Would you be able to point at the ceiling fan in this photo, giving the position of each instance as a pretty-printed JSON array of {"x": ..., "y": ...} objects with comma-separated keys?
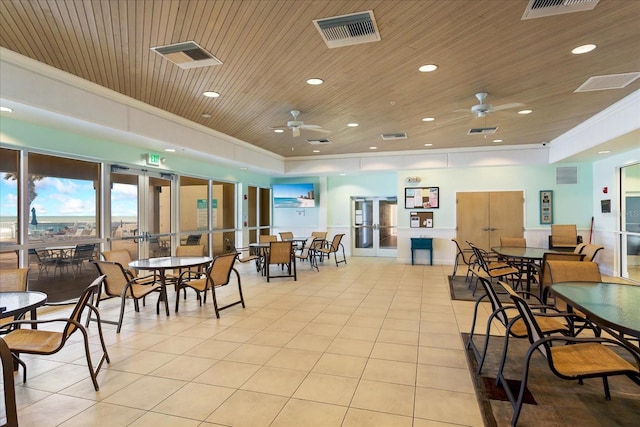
[
  {"x": 482, "y": 109},
  {"x": 295, "y": 125}
]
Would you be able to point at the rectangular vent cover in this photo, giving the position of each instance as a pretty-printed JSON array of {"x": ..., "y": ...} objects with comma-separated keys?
[
  {"x": 392, "y": 136},
  {"x": 319, "y": 141},
  {"x": 611, "y": 81},
  {"x": 348, "y": 30},
  {"x": 567, "y": 175},
  {"x": 187, "y": 55},
  {"x": 542, "y": 8},
  {"x": 482, "y": 131}
]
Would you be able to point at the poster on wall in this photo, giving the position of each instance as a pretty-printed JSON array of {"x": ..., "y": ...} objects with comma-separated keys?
[
  {"x": 201, "y": 213},
  {"x": 422, "y": 198}
]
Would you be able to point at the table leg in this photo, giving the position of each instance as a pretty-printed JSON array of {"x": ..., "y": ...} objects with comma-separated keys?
[
  {"x": 33, "y": 316},
  {"x": 163, "y": 290}
]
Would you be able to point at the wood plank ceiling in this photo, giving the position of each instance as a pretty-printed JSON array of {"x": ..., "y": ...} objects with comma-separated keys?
[{"x": 269, "y": 48}]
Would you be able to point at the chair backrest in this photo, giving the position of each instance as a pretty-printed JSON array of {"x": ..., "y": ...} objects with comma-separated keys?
[
  {"x": 220, "y": 270},
  {"x": 280, "y": 252},
  {"x": 267, "y": 238},
  {"x": 122, "y": 257},
  {"x": 284, "y": 235},
  {"x": 590, "y": 251},
  {"x": 115, "y": 277},
  {"x": 494, "y": 299},
  {"x": 193, "y": 250},
  {"x": 84, "y": 252},
  {"x": 319, "y": 234},
  {"x": 11, "y": 411},
  {"x": 564, "y": 234},
  {"x": 514, "y": 242},
  {"x": 462, "y": 253},
  {"x": 193, "y": 239},
  {"x": 479, "y": 255},
  {"x": 308, "y": 244},
  {"x": 335, "y": 243},
  {"x": 13, "y": 279},
  {"x": 578, "y": 248},
  {"x": 534, "y": 333},
  {"x": 545, "y": 278},
  {"x": 569, "y": 271},
  {"x": 85, "y": 298}
]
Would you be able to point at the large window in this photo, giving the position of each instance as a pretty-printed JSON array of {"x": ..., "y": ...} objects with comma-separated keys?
[
  {"x": 9, "y": 202},
  {"x": 630, "y": 221}
]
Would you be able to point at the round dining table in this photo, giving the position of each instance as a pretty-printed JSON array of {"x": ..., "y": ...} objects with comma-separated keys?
[
  {"x": 15, "y": 304},
  {"x": 162, "y": 264}
]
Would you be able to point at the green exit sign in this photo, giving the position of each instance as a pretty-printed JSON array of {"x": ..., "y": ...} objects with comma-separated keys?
[{"x": 153, "y": 159}]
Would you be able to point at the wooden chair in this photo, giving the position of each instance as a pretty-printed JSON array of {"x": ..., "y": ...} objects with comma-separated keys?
[
  {"x": 515, "y": 328},
  {"x": 281, "y": 253},
  {"x": 217, "y": 274},
  {"x": 38, "y": 341},
  {"x": 307, "y": 253},
  {"x": 332, "y": 248},
  {"x": 564, "y": 237},
  {"x": 119, "y": 284},
  {"x": 11, "y": 410},
  {"x": 585, "y": 358},
  {"x": 465, "y": 255}
]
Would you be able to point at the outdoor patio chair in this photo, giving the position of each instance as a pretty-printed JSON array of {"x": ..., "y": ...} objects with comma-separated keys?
[
  {"x": 249, "y": 257},
  {"x": 217, "y": 274},
  {"x": 502, "y": 313},
  {"x": 564, "y": 237},
  {"x": 332, "y": 248},
  {"x": 281, "y": 254},
  {"x": 42, "y": 342},
  {"x": 465, "y": 256},
  {"x": 307, "y": 253},
  {"x": 119, "y": 284},
  {"x": 590, "y": 251},
  {"x": 584, "y": 358}
]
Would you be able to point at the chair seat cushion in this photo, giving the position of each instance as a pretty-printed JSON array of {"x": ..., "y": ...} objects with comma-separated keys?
[
  {"x": 33, "y": 341},
  {"x": 139, "y": 290},
  {"x": 588, "y": 359},
  {"x": 198, "y": 284},
  {"x": 547, "y": 326}
]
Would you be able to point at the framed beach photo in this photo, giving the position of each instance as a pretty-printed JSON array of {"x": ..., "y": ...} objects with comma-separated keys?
[{"x": 294, "y": 196}]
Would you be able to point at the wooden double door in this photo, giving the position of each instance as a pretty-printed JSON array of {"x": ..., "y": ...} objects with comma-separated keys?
[{"x": 484, "y": 217}]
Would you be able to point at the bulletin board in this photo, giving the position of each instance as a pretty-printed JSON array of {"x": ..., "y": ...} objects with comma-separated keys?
[
  {"x": 422, "y": 198},
  {"x": 421, "y": 220}
]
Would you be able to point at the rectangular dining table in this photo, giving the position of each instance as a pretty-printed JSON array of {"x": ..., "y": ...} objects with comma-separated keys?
[{"x": 615, "y": 307}]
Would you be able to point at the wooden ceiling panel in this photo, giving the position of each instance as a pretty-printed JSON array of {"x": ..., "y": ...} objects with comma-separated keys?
[{"x": 270, "y": 48}]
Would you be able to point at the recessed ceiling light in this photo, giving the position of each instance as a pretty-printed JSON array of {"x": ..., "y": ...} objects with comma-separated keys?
[
  {"x": 604, "y": 152},
  {"x": 170, "y": 150},
  {"x": 373, "y": 148},
  {"x": 497, "y": 140},
  {"x": 278, "y": 130},
  {"x": 428, "y": 145},
  {"x": 353, "y": 124},
  {"x": 315, "y": 81},
  {"x": 428, "y": 119},
  {"x": 316, "y": 151},
  {"x": 211, "y": 94},
  {"x": 205, "y": 115},
  {"x": 428, "y": 68},
  {"x": 525, "y": 112},
  {"x": 6, "y": 109},
  {"x": 585, "y": 48}
]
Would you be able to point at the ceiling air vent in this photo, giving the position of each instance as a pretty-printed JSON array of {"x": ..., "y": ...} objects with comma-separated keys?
[
  {"x": 187, "y": 55},
  {"x": 347, "y": 30},
  {"x": 482, "y": 131},
  {"x": 542, "y": 8},
  {"x": 612, "y": 81},
  {"x": 319, "y": 141},
  {"x": 392, "y": 136}
]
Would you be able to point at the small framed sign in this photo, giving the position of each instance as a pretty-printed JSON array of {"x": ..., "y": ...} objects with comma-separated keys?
[{"x": 546, "y": 207}]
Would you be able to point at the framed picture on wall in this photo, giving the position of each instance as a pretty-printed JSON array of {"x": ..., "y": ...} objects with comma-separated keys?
[
  {"x": 546, "y": 207},
  {"x": 422, "y": 198}
]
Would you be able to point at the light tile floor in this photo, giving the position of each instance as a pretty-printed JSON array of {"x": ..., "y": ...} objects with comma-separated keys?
[{"x": 369, "y": 343}]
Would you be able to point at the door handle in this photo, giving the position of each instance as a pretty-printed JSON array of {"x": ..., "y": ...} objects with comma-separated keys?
[{"x": 486, "y": 229}]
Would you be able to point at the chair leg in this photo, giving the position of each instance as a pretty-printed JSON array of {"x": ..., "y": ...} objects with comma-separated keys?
[
  {"x": 486, "y": 343},
  {"x": 121, "y": 315},
  {"x": 21, "y": 363},
  {"x": 605, "y": 383}
]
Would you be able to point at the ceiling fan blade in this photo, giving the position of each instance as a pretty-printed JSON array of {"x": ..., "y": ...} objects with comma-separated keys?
[
  {"x": 314, "y": 128},
  {"x": 507, "y": 106},
  {"x": 296, "y": 132}
]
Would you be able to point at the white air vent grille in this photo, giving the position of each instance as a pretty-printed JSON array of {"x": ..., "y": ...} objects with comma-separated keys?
[
  {"x": 347, "y": 30},
  {"x": 542, "y": 8},
  {"x": 187, "y": 55},
  {"x": 319, "y": 141},
  {"x": 612, "y": 81},
  {"x": 482, "y": 131},
  {"x": 567, "y": 175},
  {"x": 392, "y": 136}
]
